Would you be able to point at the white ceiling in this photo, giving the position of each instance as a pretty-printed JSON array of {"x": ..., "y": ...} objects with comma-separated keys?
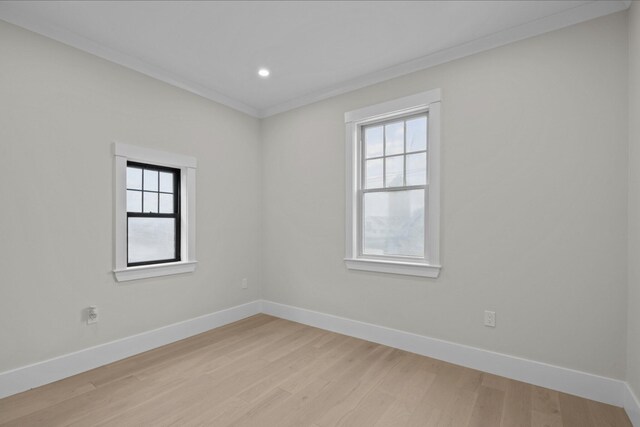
[{"x": 313, "y": 49}]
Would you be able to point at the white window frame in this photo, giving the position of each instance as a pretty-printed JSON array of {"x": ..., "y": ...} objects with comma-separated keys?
[
  {"x": 429, "y": 266},
  {"x": 187, "y": 166}
]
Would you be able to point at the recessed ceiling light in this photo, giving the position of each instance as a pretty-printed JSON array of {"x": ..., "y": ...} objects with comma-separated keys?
[{"x": 263, "y": 72}]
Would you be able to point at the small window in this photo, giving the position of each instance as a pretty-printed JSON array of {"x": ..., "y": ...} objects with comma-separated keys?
[
  {"x": 393, "y": 186},
  {"x": 154, "y": 213}
]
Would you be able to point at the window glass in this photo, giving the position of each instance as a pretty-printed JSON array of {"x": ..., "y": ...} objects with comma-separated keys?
[
  {"x": 394, "y": 138},
  {"x": 373, "y": 141},
  {"x": 166, "y": 182},
  {"x": 394, "y": 171},
  {"x": 150, "y": 180},
  {"x": 373, "y": 173},
  {"x": 393, "y": 223},
  {"x": 134, "y": 178},
  {"x": 151, "y": 239},
  {"x": 166, "y": 203},
  {"x": 134, "y": 201},
  {"x": 417, "y": 134},
  {"x": 150, "y": 202},
  {"x": 417, "y": 169}
]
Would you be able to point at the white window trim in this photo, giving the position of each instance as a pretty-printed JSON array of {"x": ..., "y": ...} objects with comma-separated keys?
[
  {"x": 187, "y": 165},
  {"x": 426, "y": 101}
]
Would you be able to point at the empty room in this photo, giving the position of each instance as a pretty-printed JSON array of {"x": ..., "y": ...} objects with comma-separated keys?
[{"x": 320, "y": 213}]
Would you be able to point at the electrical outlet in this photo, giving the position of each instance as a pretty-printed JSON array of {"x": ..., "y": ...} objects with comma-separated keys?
[
  {"x": 92, "y": 314},
  {"x": 490, "y": 319},
  {"x": 245, "y": 283}
]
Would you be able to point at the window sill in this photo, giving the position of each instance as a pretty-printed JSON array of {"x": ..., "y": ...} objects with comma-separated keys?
[
  {"x": 154, "y": 270},
  {"x": 394, "y": 267}
]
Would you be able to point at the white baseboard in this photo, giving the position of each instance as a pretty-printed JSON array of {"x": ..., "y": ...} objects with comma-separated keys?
[
  {"x": 601, "y": 389},
  {"x": 37, "y": 374},
  {"x": 632, "y": 405}
]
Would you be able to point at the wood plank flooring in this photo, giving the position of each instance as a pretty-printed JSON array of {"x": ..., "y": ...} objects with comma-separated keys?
[{"x": 264, "y": 371}]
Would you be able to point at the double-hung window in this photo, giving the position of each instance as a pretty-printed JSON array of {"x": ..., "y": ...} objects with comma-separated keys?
[
  {"x": 393, "y": 152},
  {"x": 154, "y": 213}
]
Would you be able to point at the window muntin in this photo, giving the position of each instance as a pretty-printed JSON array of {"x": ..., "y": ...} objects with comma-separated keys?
[
  {"x": 153, "y": 214},
  {"x": 393, "y": 194}
]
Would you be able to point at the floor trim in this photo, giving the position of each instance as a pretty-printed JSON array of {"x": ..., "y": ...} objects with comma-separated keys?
[
  {"x": 583, "y": 384},
  {"x": 37, "y": 374},
  {"x": 632, "y": 405}
]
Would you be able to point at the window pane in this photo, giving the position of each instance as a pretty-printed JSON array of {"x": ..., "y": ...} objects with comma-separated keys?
[
  {"x": 166, "y": 203},
  {"x": 394, "y": 223},
  {"x": 417, "y": 134},
  {"x": 151, "y": 239},
  {"x": 373, "y": 141},
  {"x": 373, "y": 174},
  {"x": 166, "y": 182},
  {"x": 395, "y": 171},
  {"x": 150, "y": 180},
  {"x": 150, "y": 202},
  {"x": 134, "y": 201},
  {"x": 417, "y": 169},
  {"x": 394, "y": 134},
  {"x": 134, "y": 178}
]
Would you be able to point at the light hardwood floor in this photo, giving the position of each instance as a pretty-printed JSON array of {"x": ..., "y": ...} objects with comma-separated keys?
[{"x": 264, "y": 371}]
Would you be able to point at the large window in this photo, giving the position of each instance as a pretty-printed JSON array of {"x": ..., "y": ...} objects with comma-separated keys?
[
  {"x": 154, "y": 213},
  {"x": 393, "y": 186}
]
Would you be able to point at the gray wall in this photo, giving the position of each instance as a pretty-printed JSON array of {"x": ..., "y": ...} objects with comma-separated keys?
[
  {"x": 633, "y": 352},
  {"x": 534, "y": 206},
  {"x": 60, "y": 110},
  {"x": 534, "y": 202}
]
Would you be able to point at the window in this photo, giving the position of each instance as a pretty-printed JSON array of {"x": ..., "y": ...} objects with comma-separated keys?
[
  {"x": 155, "y": 213},
  {"x": 393, "y": 196}
]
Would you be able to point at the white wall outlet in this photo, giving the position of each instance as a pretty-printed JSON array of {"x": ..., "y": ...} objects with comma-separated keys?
[
  {"x": 245, "y": 283},
  {"x": 490, "y": 318},
  {"x": 92, "y": 314}
]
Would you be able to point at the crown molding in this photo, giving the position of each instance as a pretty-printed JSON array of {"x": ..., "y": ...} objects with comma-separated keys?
[
  {"x": 87, "y": 45},
  {"x": 549, "y": 23},
  {"x": 540, "y": 26}
]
